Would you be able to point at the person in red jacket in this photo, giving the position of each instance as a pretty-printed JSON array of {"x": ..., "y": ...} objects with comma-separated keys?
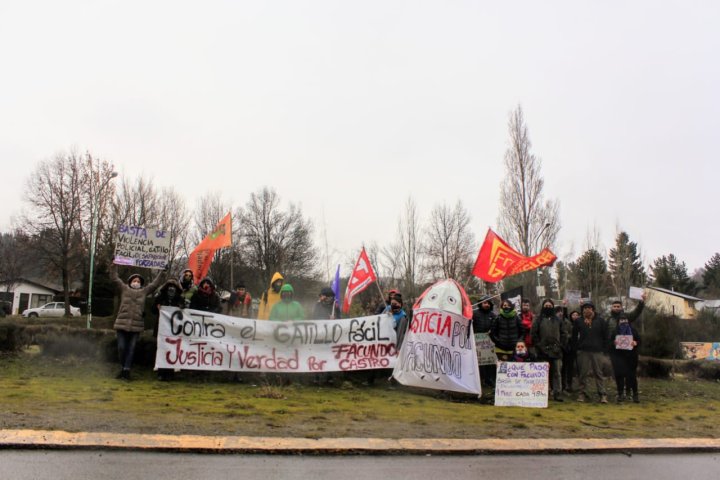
[{"x": 527, "y": 318}]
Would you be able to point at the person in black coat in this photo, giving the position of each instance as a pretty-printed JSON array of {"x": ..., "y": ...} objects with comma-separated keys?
[
  {"x": 624, "y": 358},
  {"x": 482, "y": 322}
]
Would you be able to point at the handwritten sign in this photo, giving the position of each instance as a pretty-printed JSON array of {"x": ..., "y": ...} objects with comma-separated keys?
[
  {"x": 522, "y": 384},
  {"x": 195, "y": 340},
  {"x": 623, "y": 342},
  {"x": 485, "y": 349},
  {"x": 142, "y": 247},
  {"x": 439, "y": 353}
]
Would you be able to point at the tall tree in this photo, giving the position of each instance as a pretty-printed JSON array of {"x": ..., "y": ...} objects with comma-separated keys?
[
  {"x": 526, "y": 220},
  {"x": 711, "y": 275},
  {"x": 276, "y": 239},
  {"x": 450, "y": 244},
  {"x": 13, "y": 257},
  {"x": 410, "y": 249},
  {"x": 589, "y": 272},
  {"x": 670, "y": 273},
  {"x": 55, "y": 195},
  {"x": 625, "y": 266}
]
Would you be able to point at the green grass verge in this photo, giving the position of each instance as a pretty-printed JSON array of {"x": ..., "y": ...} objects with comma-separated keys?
[{"x": 38, "y": 392}]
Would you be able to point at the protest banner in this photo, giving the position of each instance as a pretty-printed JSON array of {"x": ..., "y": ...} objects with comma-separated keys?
[
  {"x": 196, "y": 340},
  {"x": 485, "y": 349},
  {"x": 439, "y": 351},
  {"x": 142, "y": 247},
  {"x": 522, "y": 384},
  {"x": 701, "y": 350}
]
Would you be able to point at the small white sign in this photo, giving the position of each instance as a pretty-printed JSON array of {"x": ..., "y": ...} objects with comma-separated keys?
[{"x": 636, "y": 293}]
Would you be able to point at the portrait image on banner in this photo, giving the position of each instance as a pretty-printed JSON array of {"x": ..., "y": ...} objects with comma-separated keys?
[{"x": 438, "y": 350}]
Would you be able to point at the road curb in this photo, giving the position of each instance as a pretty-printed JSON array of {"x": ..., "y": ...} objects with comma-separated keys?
[{"x": 53, "y": 439}]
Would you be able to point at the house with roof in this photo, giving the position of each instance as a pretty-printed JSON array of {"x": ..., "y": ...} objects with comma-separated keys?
[
  {"x": 670, "y": 302},
  {"x": 24, "y": 294}
]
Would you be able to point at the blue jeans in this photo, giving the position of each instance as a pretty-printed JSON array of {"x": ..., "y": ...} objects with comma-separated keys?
[{"x": 126, "y": 347}]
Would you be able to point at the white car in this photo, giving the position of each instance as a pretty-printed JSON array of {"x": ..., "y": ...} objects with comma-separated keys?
[{"x": 52, "y": 309}]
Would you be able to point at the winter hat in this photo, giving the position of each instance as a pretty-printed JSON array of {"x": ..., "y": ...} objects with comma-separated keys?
[
  {"x": 134, "y": 276},
  {"x": 327, "y": 292},
  {"x": 587, "y": 304}
]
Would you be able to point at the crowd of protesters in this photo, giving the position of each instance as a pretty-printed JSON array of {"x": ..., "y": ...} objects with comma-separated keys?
[{"x": 576, "y": 346}]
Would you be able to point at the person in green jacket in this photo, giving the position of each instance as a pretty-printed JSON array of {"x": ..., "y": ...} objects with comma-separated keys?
[{"x": 287, "y": 308}]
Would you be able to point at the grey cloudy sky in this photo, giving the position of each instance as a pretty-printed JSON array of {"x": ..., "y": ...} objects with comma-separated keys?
[{"x": 349, "y": 107}]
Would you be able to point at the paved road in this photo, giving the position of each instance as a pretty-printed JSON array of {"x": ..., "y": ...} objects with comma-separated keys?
[{"x": 92, "y": 465}]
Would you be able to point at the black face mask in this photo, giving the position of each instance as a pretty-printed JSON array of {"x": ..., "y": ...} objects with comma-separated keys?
[
  {"x": 395, "y": 308},
  {"x": 548, "y": 311},
  {"x": 171, "y": 292}
]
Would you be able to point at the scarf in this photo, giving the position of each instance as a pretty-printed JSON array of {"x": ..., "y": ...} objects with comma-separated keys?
[{"x": 510, "y": 314}]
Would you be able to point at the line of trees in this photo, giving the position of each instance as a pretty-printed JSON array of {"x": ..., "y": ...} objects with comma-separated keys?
[{"x": 66, "y": 192}]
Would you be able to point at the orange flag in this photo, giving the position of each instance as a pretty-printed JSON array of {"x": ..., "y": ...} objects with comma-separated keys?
[
  {"x": 498, "y": 260},
  {"x": 201, "y": 258}
]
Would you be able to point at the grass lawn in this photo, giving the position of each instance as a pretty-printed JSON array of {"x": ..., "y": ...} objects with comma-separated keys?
[{"x": 37, "y": 392}]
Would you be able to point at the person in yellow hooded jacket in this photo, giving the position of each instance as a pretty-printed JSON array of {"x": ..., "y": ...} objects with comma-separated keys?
[{"x": 270, "y": 297}]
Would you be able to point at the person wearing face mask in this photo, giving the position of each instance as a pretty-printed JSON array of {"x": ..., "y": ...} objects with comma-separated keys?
[
  {"x": 287, "y": 308},
  {"x": 270, "y": 297},
  {"x": 170, "y": 295},
  {"x": 240, "y": 302},
  {"x": 550, "y": 335},
  {"x": 187, "y": 284},
  {"x": 590, "y": 335},
  {"x": 129, "y": 322},
  {"x": 206, "y": 298},
  {"x": 624, "y": 361},
  {"x": 482, "y": 321},
  {"x": 507, "y": 331},
  {"x": 326, "y": 307},
  {"x": 569, "y": 365}
]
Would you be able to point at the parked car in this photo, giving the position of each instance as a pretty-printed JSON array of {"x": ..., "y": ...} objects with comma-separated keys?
[{"x": 52, "y": 309}]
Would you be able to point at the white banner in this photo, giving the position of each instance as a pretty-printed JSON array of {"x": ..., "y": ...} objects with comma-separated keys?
[
  {"x": 522, "y": 384},
  {"x": 142, "y": 247},
  {"x": 485, "y": 349},
  {"x": 439, "y": 352},
  {"x": 195, "y": 340}
]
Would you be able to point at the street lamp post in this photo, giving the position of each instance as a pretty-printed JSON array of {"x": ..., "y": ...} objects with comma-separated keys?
[
  {"x": 93, "y": 241},
  {"x": 537, "y": 289}
]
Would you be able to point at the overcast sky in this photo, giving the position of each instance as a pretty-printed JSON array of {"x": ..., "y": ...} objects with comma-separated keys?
[{"x": 349, "y": 107}]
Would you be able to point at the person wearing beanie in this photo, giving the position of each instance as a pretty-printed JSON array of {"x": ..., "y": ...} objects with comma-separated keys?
[
  {"x": 569, "y": 366},
  {"x": 590, "y": 335},
  {"x": 287, "y": 308},
  {"x": 624, "y": 358},
  {"x": 130, "y": 321},
  {"x": 550, "y": 335},
  {"x": 170, "y": 295},
  {"x": 326, "y": 308},
  {"x": 482, "y": 321},
  {"x": 383, "y": 307}
]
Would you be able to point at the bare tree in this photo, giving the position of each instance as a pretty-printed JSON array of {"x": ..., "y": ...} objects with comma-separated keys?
[
  {"x": 450, "y": 244},
  {"x": 526, "y": 221},
  {"x": 55, "y": 195},
  {"x": 274, "y": 239},
  {"x": 408, "y": 248},
  {"x": 210, "y": 209},
  {"x": 13, "y": 257}
]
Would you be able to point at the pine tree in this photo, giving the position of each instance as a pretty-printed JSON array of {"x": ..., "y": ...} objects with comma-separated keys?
[
  {"x": 589, "y": 273},
  {"x": 670, "y": 273},
  {"x": 711, "y": 275},
  {"x": 625, "y": 266}
]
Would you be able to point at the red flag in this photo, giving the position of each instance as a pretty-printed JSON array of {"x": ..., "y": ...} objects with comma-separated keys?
[
  {"x": 201, "y": 258},
  {"x": 362, "y": 276},
  {"x": 498, "y": 260}
]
